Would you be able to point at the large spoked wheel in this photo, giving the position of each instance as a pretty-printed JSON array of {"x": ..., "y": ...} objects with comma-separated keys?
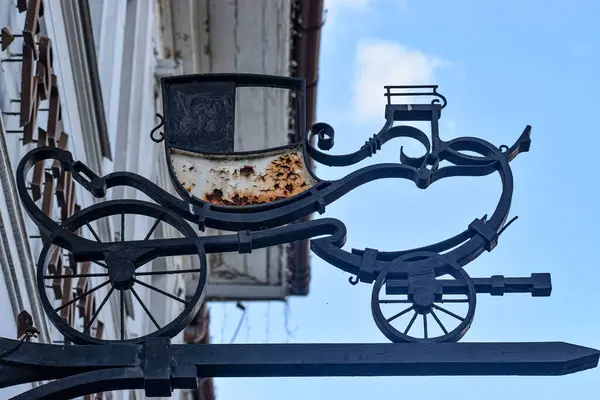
[
  {"x": 422, "y": 310},
  {"x": 78, "y": 295}
]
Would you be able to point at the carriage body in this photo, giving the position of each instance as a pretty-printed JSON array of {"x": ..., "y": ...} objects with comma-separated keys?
[{"x": 200, "y": 129}]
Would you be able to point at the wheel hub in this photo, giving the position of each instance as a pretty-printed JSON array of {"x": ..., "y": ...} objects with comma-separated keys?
[
  {"x": 121, "y": 272},
  {"x": 423, "y": 300}
]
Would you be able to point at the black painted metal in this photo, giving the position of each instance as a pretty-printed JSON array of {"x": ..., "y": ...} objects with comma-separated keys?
[
  {"x": 422, "y": 280},
  {"x": 199, "y": 110},
  {"x": 159, "y": 367},
  {"x": 120, "y": 262}
]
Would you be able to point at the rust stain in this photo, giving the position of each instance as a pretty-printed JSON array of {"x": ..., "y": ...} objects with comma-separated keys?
[
  {"x": 188, "y": 186},
  {"x": 244, "y": 179},
  {"x": 284, "y": 177},
  {"x": 247, "y": 170}
]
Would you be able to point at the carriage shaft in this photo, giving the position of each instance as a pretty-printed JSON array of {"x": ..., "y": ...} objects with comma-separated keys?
[{"x": 539, "y": 285}]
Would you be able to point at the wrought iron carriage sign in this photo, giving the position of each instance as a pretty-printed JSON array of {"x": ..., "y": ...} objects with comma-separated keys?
[{"x": 259, "y": 195}]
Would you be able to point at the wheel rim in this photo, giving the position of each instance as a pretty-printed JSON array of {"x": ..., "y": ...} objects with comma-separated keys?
[
  {"x": 423, "y": 306},
  {"x": 115, "y": 281}
]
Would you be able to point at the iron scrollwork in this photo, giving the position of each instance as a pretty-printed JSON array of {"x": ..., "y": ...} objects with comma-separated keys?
[
  {"x": 161, "y": 136},
  {"x": 199, "y": 137}
]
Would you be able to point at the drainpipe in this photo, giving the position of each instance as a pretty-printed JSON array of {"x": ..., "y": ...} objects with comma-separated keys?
[{"x": 307, "y": 26}]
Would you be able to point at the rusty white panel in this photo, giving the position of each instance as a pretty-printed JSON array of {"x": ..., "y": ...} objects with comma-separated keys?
[{"x": 241, "y": 180}]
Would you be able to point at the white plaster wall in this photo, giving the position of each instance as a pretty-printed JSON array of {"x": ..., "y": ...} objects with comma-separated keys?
[
  {"x": 23, "y": 254},
  {"x": 111, "y": 45},
  {"x": 9, "y": 89}
]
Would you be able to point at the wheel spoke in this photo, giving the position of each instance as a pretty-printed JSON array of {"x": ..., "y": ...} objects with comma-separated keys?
[
  {"x": 93, "y": 232},
  {"x": 152, "y": 229},
  {"x": 434, "y": 315},
  {"x": 145, "y": 308},
  {"x": 175, "y": 271},
  {"x": 160, "y": 291},
  {"x": 122, "y": 227},
  {"x": 401, "y": 313},
  {"x": 425, "y": 326},
  {"x": 97, "y": 312},
  {"x": 410, "y": 324},
  {"x": 450, "y": 313},
  {"x": 394, "y": 301},
  {"x": 454, "y": 301},
  {"x": 122, "y": 316},
  {"x": 81, "y": 296},
  {"x": 100, "y": 264},
  {"x": 75, "y": 276}
]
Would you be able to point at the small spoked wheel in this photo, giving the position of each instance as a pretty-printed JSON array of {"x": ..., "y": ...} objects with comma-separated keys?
[
  {"x": 422, "y": 307},
  {"x": 125, "y": 288}
]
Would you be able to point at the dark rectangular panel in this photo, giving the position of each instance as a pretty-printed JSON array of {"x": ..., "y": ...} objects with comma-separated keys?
[{"x": 200, "y": 116}]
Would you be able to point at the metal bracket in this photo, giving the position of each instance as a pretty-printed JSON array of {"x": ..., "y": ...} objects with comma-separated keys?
[{"x": 159, "y": 367}]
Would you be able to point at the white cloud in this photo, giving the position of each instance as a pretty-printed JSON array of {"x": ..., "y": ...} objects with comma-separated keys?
[{"x": 379, "y": 63}]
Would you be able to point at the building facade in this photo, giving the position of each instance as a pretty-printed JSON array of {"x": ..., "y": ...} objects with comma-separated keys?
[{"x": 85, "y": 77}]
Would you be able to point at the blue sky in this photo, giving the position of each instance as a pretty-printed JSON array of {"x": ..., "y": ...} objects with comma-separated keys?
[{"x": 502, "y": 65}]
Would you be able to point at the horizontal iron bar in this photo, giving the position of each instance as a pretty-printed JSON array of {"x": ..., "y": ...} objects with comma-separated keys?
[
  {"x": 389, "y": 359},
  {"x": 150, "y": 249},
  {"x": 409, "y": 94},
  {"x": 35, "y": 361},
  {"x": 411, "y": 87},
  {"x": 49, "y": 356},
  {"x": 538, "y": 285}
]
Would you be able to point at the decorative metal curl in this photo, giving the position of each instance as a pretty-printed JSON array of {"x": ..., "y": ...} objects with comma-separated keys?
[
  {"x": 156, "y": 128},
  {"x": 324, "y": 133},
  {"x": 441, "y": 96}
]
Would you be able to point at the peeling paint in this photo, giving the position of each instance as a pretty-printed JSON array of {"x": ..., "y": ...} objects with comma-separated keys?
[{"x": 241, "y": 180}]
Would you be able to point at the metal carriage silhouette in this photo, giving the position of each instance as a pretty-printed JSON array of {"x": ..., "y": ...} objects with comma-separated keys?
[
  {"x": 259, "y": 193},
  {"x": 260, "y": 196}
]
